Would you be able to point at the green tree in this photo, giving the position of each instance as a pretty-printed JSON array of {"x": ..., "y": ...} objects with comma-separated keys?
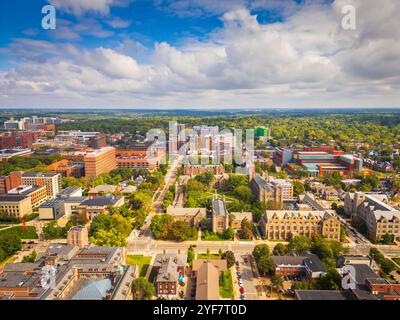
[
  {"x": 298, "y": 188},
  {"x": 299, "y": 244},
  {"x": 277, "y": 282},
  {"x": 280, "y": 249},
  {"x": 190, "y": 255},
  {"x": 261, "y": 250},
  {"x": 30, "y": 257},
  {"x": 265, "y": 265},
  {"x": 229, "y": 233},
  {"x": 387, "y": 238},
  {"x": 9, "y": 244},
  {"x": 229, "y": 256},
  {"x": 331, "y": 280},
  {"x": 142, "y": 289}
]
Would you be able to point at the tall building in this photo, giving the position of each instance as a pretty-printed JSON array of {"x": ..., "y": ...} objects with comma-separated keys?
[
  {"x": 100, "y": 161},
  {"x": 52, "y": 181}
]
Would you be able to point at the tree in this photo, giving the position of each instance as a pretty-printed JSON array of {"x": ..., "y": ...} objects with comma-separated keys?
[
  {"x": 243, "y": 193},
  {"x": 265, "y": 264},
  {"x": 229, "y": 256},
  {"x": 30, "y": 257},
  {"x": 280, "y": 249},
  {"x": 277, "y": 282},
  {"x": 387, "y": 238},
  {"x": 142, "y": 289},
  {"x": 246, "y": 229},
  {"x": 331, "y": 280},
  {"x": 9, "y": 244},
  {"x": 261, "y": 250},
  {"x": 190, "y": 255},
  {"x": 229, "y": 233},
  {"x": 158, "y": 225},
  {"x": 299, "y": 244},
  {"x": 298, "y": 188}
]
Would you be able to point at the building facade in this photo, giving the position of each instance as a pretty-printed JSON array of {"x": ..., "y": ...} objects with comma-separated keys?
[
  {"x": 52, "y": 181},
  {"x": 371, "y": 210},
  {"x": 285, "y": 224},
  {"x": 100, "y": 161}
]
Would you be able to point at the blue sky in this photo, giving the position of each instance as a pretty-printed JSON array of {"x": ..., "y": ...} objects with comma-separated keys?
[{"x": 204, "y": 53}]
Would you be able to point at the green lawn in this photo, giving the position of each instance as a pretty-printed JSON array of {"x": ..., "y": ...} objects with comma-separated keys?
[
  {"x": 210, "y": 256},
  {"x": 226, "y": 285},
  {"x": 211, "y": 236},
  {"x": 143, "y": 262},
  {"x": 30, "y": 232}
]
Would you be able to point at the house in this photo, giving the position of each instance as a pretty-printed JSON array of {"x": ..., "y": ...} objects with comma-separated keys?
[
  {"x": 306, "y": 264},
  {"x": 101, "y": 190},
  {"x": 207, "y": 272},
  {"x": 93, "y": 207},
  {"x": 192, "y": 216},
  {"x": 238, "y": 217},
  {"x": 170, "y": 270}
]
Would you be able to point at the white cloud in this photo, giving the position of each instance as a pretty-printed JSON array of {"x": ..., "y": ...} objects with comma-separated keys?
[
  {"x": 80, "y": 7},
  {"x": 307, "y": 60}
]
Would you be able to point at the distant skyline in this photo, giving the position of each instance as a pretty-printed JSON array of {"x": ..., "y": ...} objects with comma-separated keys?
[{"x": 203, "y": 54}]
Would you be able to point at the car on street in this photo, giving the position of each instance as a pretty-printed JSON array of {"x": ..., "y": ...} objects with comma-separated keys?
[
  {"x": 242, "y": 297},
  {"x": 241, "y": 290}
]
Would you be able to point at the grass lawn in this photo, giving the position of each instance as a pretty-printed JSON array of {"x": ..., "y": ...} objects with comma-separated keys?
[
  {"x": 210, "y": 256},
  {"x": 211, "y": 236},
  {"x": 30, "y": 232},
  {"x": 226, "y": 285},
  {"x": 143, "y": 262},
  {"x": 8, "y": 260}
]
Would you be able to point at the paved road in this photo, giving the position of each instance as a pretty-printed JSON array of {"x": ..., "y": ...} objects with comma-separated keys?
[
  {"x": 154, "y": 246},
  {"x": 249, "y": 282}
]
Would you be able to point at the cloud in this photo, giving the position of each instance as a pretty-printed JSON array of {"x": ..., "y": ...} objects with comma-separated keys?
[
  {"x": 80, "y": 7},
  {"x": 119, "y": 23},
  {"x": 305, "y": 60}
]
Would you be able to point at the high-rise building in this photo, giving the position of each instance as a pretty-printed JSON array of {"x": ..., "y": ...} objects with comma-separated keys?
[
  {"x": 100, "y": 161},
  {"x": 13, "y": 180},
  {"x": 52, "y": 181}
]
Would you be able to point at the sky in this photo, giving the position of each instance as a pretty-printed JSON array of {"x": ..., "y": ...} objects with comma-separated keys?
[{"x": 205, "y": 54}]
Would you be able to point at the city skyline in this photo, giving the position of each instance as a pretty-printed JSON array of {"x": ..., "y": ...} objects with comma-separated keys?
[{"x": 200, "y": 54}]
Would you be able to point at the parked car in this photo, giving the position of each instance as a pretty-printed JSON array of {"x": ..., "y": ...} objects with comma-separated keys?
[
  {"x": 241, "y": 290},
  {"x": 242, "y": 297},
  {"x": 237, "y": 263}
]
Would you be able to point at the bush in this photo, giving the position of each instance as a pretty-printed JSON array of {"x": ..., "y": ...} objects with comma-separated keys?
[{"x": 229, "y": 256}]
